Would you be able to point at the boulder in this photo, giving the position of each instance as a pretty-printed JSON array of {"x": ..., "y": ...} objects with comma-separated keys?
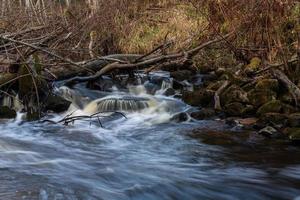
[
  {"x": 7, "y": 113},
  {"x": 56, "y": 104},
  {"x": 267, "y": 84},
  {"x": 270, "y": 132},
  {"x": 180, "y": 117},
  {"x": 169, "y": 92},
  {"x": 234, "y": 94},
  {"x": 273, "y": 106},
  {"x": 273, "y": 118},
  {"x": 203, "y": 114},
  {"x": 259, "y": 97},
  {"x": 199, "y": 98},
  {"x": 234, "y": 109}
]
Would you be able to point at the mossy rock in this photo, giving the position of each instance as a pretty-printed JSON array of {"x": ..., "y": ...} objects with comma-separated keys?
[
  {"x": 234, "y": 94},
  {"x": 253, "y": 66},
  {"x": 273, "y": 118},
  {"x": 234, "y": 109},
  {"x": 274, "y": 106},
  {"x": 249, "y": 110},
  {"x": 199, "y": 98},
  {"x": 268, "y": 84},
  {"x": 259, "y": 97},
  {"x": 56, "y": 104},
  {"x": 7, "y": 113}
]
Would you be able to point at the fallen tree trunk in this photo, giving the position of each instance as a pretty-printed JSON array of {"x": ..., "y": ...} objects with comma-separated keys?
[{"x": 159, "y": 59}]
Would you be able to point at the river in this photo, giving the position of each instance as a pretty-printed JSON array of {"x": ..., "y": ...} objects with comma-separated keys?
[{"x": 146, "y": 155}]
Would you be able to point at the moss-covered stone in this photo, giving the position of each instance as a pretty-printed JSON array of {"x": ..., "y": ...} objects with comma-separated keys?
[
  {"x": 7, "y": 113},
  {"x": 273, "y": 118},
  {"x": 56, "y": 104},
  {"x": 259, "y": 97},
  {"x": 267, "y": 84},
  {"x": 274, "y": 106},
  {"x": 234, "y": 109},
  {"x": 249, "y": 110},
  {"x": 253, "y": 66},
  {"x": 201, "y": 97},
  {"x": 234, "y": 94}
]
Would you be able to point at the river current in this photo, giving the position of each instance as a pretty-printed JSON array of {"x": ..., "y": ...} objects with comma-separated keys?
[{"x": 146, "y": 155}]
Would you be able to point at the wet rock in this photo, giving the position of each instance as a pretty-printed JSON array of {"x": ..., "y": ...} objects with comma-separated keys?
[
  {"x": 57, "y": 104},
  {"x": 274, "y": 106},
  {"x": 270, "y": 132},
  {"x": 169, "y": 92},
  {"x": 181, "y": 75},
  {"x": 234, "y": 94},
  {"x": 273, "y": 118},
  {"x": 253, "y": 66},
  {"x": 294, "y": 120},
  {"x": 260, "y": 97},
  {"x": 178, "y": 85},
  {"x": 267, "y": 84},
  {"x": 200, "y": 97},
  {"x": 204, "y": 113},
  {"x": 234, "y": 109},
  {"x": 180, "y": 117},
  {"x": 151, "y": 88},
  {"x": 7, "y": 113}
]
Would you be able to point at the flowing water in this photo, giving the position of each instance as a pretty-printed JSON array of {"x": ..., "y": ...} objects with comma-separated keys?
[{"x": 146, "y": 155}]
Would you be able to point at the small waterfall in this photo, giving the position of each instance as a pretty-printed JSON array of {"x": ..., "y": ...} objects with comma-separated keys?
[
  {"x": 167, "y": 84},
  {"x": 125, "y": 103},
  {"x": 7, "y": 101},
  {"x": 12, "y": 102}
]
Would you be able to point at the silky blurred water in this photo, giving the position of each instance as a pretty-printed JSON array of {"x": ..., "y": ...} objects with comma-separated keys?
[{"x": 146, "y": 156}]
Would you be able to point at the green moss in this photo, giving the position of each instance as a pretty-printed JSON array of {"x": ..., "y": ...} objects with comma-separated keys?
[
  {"x": 267, "y": 84},
  {"x": 260, "y": 97},
  {"x": 273, "y": 106},
  {"x": 253, "y": 65}
]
